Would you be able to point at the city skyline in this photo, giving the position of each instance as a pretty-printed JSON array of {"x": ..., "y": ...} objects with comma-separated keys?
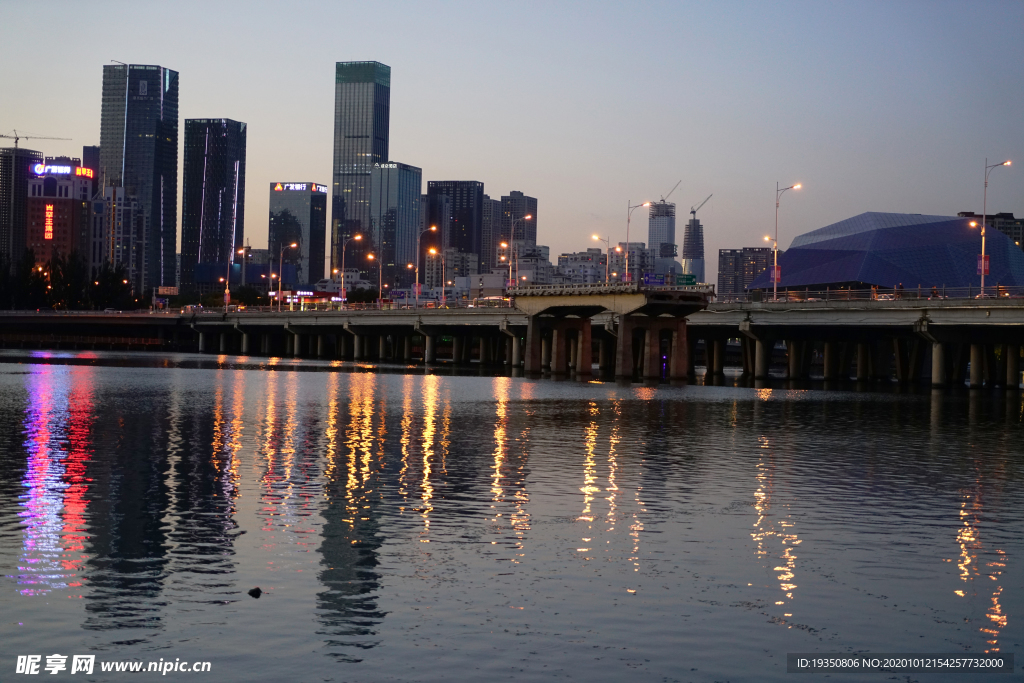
[{"x": 864, "y": 106}]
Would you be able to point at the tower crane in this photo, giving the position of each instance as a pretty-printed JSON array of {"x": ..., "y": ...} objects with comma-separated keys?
[
  {"x": 17, "y": 137},
  {"x": 693, "y": 210},
  {"x": 665, "y": 197}
]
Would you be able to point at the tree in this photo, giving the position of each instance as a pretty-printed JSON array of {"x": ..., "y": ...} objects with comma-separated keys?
[
  {"x": 29, "y": 283},
  {"x": 68, "y": 282},
  {"x": 111, "y": 288}
]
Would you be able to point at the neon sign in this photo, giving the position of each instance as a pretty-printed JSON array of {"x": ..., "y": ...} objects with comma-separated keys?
[
  {"x": 48, "y": 225},
  {"x": 319, "y": 188},
  {"x": 300, "y": 187},
  {"x": 43, "y": 169}
]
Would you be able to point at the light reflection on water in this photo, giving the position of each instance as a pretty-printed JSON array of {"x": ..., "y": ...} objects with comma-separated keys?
[{"x": 408, "y": 526}]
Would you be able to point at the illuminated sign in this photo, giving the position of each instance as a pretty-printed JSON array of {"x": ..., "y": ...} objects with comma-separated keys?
[
  {"x": 48, "y": 229},
  {"x": 300, "y": 187},
  {"x": 385, "y": 165},
  {"x": 43, "y": 169}
]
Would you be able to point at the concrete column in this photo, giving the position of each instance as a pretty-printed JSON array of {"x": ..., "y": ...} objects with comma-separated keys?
[
  {"x": 652, "y": 351},
  {"x": 245, "y": 343},
  {"x": 344, "y": 345},
  {"x": 677, "y": 362},
  {"x": 429, "y": 349},
  {"x": 977, "y": 365},
  {"x": 457, "y": 343},
  {"x": 899, "y": 349},
  {"x": 545, "y": 353},
  {"x": 863, "y": 361},
  {"x": 573, "y": 351},
  {"x": 516, "y": 351},
  {"x": 602, "y": 354},
  {"x": 584, "y": 350},
  {"x": 202, "y": 342},
  {"x": 407, "y": 347},
  {"x": 831, "y": 361},
  {"x": 709, "y": 357},
  {"x": 382, "y": 348},
  {"x": 485, "y": 356},
  {"x": 321, "y": 346},
  {"x": 223, "y": 342},
  {"x": 534, "y": 351},
  {"x": 559, "y": 359},
  {"x": 794, "y": 351},
  {"x": 297, "y": 346},
  {"x": 1012, "y": 354},
  {"x": 938, "y": 365},
  {"x": 624, "y": 349},
  {"x": 762, "y": 358},
  {"x": 719, "y": 357},
  {"x": 358, "y": 342}
]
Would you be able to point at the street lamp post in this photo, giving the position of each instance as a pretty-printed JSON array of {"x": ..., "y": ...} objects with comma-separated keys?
[
  {"x": 507, "y": 257},
  {"x": 629, "y": 215},
  {"x": 775, "y": 268},
  {"x": 432, "y": 228},
  {"x": 380, "y": 279},
  {"x": 984, "y": 211},
  {"x": 280, "y": 272},
  {"x": 775, "y": 251},
  {"x": 344, "y": 300},
  {"x": 512, "y": 239},
  {"x": 608, "y": 256}
]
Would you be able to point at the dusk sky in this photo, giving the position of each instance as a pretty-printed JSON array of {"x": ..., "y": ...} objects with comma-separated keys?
[{"x": 873, "y": 106}]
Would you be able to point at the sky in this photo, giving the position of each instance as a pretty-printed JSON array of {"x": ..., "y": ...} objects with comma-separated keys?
[{"x": 872, "y": 106}]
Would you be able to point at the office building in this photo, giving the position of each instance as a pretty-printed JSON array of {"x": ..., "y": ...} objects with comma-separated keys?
[
  {"x": 298, "y": 215},
  {"x": 464, "y": 232},
  {"x": 737, "y": 268},
  {"x": 640, "y": 261},
  {"x": 693, "y": 249},
  {"x": 91, "y": 159},
  {"x": 15, "y": 168},
  {"x": 362, "y": 105},
  {"x": 395, "y": 218},
  {"x": 1005, "y": 223},
  {"x": 456, "y": 264},
  {"x": 515, "y": 208},
  {"x": 116, "y": 232},
  {"x": 58, "y": 210},
  {"x": 581, "y": 267},
  {"x": 490, "y": 235},
  {"x": 139, "y": 152},
  {"x": 661, "y": 229},
  {"x": 213, "y": 194}
]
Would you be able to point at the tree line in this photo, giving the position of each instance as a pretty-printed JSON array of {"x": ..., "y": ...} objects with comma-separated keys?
[{"x": 63, "y": 283}]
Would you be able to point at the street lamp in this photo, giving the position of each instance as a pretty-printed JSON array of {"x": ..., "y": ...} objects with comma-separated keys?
[
  {"x": 515, "y": 247},
  {"x": 608, "y": 257},
  {"x": 380, "y": 279},
  {"x": 343, "y": 247},
  {"x": 432, "y": 228},
  {"x": 280, "y": 272},
  {"x": 984, "y": 211},
  {"x": 629, "y": 215},
  {"x": 507, "y": 257},
  {"x": 775, "y": 249},
  {"x": 775, "y": 268}
]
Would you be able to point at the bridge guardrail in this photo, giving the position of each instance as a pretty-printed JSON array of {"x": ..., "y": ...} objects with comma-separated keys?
[{"x": 936, "y": 293}]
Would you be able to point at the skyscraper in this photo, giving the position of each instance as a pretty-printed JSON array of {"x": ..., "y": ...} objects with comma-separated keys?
[
  {"x": 139, "y": 152},
  {"x": 395, "y": 218},
  {"x": 362, "y": 112},
  {"x": 693, "y": 249},
  {"x": 661, "y": 229},
  {"x": 490, "y": 239},
  {"x": 467, "y": 213},
  {"x": 213, "y": 194},
  {"x": 15, "y": 165},
  {"x": 737, "y": 268},
  {"x": 298, "y": 214},
  {"x": 516, "y": 206}
]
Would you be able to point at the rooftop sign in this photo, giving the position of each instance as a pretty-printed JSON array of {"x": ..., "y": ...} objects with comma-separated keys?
[
  {"x": 43, "y": 169},
  {"x": 299, "y": 187}
]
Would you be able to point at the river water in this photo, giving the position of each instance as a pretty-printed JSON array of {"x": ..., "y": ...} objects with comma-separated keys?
[{"x": 407, "y": 526}]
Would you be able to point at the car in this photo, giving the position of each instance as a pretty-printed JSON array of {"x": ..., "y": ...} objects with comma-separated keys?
[{"x": 111, "y": 310}]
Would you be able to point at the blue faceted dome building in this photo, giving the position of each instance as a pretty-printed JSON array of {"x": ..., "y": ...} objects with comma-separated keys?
[{"x": 886, "y": 249}]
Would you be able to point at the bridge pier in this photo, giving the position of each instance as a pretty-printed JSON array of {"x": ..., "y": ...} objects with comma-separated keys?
[
  {"x": 1011, "y": 352},
  {"x": 321, "y": 345},
  {"x": 429, "y": 349},
  {"x": 863, "y": 361},
  {"x": 407, "y": 348},
  {"x": 457, "y": 349},
  {"x": 977, "y": 366},
  {"x": 830, "y": 361},
  {"x": 358, "y": 344},
  {"x": 382, "y": 348},
  {"x": 584, "y": 350},
  {"x": 223, "y": 342},
  {"x": 938, "y": 365},
  {"x": 245, "y": 343},
  {"x": 202, "y": 342}
]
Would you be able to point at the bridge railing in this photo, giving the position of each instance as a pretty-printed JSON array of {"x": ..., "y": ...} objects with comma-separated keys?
[{"x": 920, "y": 293}]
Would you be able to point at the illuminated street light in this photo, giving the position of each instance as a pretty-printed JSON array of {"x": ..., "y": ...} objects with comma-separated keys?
[
  {"x": 629, "y": 215},
  {"x": 608, "y": 256},
  {"x": 984, "y": 210},
  {"x": 432, "y": 228},
  {"x": 343, "y": 247},
  {"x": 775, "y": 268}
]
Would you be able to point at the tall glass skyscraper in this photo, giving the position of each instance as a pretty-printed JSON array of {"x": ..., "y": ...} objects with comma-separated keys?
[
  {"x": 693, "y": 248},
  {"x": 213, "y": 193},
  {"x": 395, "y": 218},
  {"x": 15, "y": 164},
  {"x": 298, "y": 214},
  {"x": 362, "y": 113},
  {"x": 661, "y": 229},
  {"x": 139, "y": 151},
  {"x": 466, "y": 198}
]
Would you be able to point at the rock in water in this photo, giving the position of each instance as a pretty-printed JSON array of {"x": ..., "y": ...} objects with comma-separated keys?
[{"x": 255, "y": 592}]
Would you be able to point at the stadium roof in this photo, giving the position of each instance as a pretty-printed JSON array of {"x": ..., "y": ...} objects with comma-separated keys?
[{"x": 887, "y": 249}]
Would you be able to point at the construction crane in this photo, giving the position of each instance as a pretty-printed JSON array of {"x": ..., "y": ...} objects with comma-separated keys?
[
  {"x": 17, "y": 137},
  {"x": 666, "y": 197},
  {"x": 693, "y": 210}
]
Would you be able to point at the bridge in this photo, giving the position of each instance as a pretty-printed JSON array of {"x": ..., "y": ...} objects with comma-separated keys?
[{"x": 631, "y": 331}]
